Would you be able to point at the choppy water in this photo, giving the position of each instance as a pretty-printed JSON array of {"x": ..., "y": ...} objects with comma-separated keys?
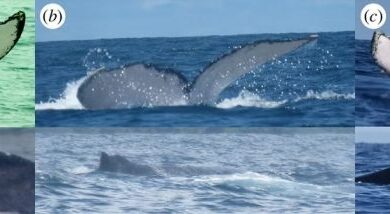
[
  {"x": 372, "y": 88},
  {"x": 309, "y": 87},
  {"x": 17, "y": 70},
  {"x": 371, "y": 198},
  {"x": 258, "y": 171}
]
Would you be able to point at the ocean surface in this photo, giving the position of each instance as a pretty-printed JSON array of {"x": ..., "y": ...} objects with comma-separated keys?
[
  {"x": 372, "y": 88},
  {"x": 313, "y": 86},
  {"x": 212, "y": 171},
  {"x": 17, "y": 70},
  {"x": 371, "y": 198}
]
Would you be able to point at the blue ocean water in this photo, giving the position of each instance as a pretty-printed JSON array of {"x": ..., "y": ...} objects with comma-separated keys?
[
  {"x": 371, "y": 198},
  {"x": 312, "y": 86},
  {"x": 213, "y": 171},
  {"x": 372, "y": 88}
]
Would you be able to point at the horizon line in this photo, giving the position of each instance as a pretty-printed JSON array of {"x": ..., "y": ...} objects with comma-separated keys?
[{"x": 186, "y": 36}]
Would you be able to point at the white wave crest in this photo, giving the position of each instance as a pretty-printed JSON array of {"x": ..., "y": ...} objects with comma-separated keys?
[
  {"x": 326, "y": 95},
  {"x": 271, "y": 184},
  {"x": 246, "y": 176},
  {"x": 249, "y": 99},
  {"x": 67, "y": 100},
  {"x": 81, "y": 170}
]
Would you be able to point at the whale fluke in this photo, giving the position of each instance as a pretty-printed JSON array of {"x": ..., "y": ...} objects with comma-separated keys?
[
  {"x": 230, "y": 67},
  {"x": 119, "y": 164},
  {"x": 17, "y": 184},
  {"x": 380, "y": 45},
  {"x": 10, "y": 32},
  {"x": 133, "y": 85},
  {"x": 146, "y": 85},
  {"x": 381, "y": 177}
]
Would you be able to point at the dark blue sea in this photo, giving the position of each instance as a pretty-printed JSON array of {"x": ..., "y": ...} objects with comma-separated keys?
[
  {"x": 371, "y": 198},
  {"x": 372, "y": 88},
  {"x": 311, "y": 86},
  {"x": 225, "y": 171}
]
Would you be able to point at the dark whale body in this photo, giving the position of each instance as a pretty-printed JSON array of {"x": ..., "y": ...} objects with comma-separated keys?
[
  {"x": 117, "y": 163},
  {"x": 17, "y": 184},
  {"x": 10, "y": 32},
  {"x": 381, "y": 177},
  {"x": 120, "y": 164},
  {"x": 140, "y": 85}
]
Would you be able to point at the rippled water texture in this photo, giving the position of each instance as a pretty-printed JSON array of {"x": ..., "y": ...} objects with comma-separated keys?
[{"x": 203, "y": 171}]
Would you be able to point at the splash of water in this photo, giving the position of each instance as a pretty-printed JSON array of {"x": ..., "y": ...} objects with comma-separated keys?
[
  {"x": 67, "y": 100},
  {"x": 248, "y": 99},
  {"x": 325, "y": 95}
]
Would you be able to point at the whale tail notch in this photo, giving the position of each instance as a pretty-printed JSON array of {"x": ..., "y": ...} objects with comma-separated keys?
[
  {"x": 10, "y": 32},
  {"x": 145, "y": 85}
]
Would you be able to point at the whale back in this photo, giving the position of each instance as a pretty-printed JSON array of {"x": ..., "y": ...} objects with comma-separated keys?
[
  {"x": 132, "y": 86},
  {"x": 10, "y": 32},
  {"x": 119, "y": 164},
  {"x": 17, "y": 184},
  {"x": 224, "y": 71},
  {"x": 381, "y": 177},
  {"x": 381, "y": 50}
]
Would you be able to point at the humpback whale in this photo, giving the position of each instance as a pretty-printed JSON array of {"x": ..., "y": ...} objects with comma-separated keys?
[
  {"x": 17, "y": 184},
  {"x": 10, "y": 32},
  {"x": 380, "y": 45},
  {"x": 381, "y": 177},
  {"x": 117, "y": 163},
  {"x": 146, "y": 85}
]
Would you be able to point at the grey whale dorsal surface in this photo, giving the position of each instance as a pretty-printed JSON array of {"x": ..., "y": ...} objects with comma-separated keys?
[
  {"x": 380, "y": 45},
  {"x": 10, "y": 32},
  {"x": 381, "y": 177},
  {"x": 140, "y": 85},
  {"x": 119, "y": 164}
]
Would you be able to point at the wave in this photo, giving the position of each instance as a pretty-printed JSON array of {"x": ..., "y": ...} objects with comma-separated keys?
[
  {"x": 248, "y": 99},
  {"x": 67, "y": 101},
  {"x": 269, "y": 184},
  {"x": 255, "y": 181},
  {"x": 325, "y": 95},
  {"x": 246, "y": 176},
  {"x": 81, "y": 170}
]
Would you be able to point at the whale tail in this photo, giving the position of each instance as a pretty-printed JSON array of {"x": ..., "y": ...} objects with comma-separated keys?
[
  {"x": 221, "y": 73},
  {"x": 10, "y": 32},
  {"x": 380, "y": 50},
  {"x": 146, "y": 85},
  {"x": 132, "y": 85}
]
